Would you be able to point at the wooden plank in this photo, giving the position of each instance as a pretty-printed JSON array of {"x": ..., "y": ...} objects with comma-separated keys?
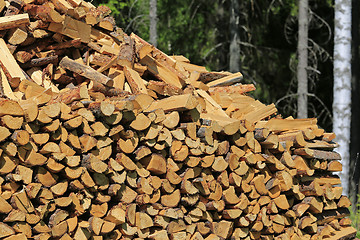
[
  {"x": 323, "y": 145},
  {"x": 328, "y": 216},
  {"x": 206, "y": 77},
  {"x": 174, "y": 103},
  {"x": 344, "y": 234},
  {"x": 280, "y": 125},
  {"x": 260, "y": 113},
  {"x": 322, "y": 180},
  {"x": 13, "y": 21},
  {"x": 319, "y": 154},
  {"x": 180, "y": 58},
  {"x": 238, "y": 89},
  {"x": 191, "y": 67},
  {"x": 226, "y": 81},
  {"x": 8, "y": 63}
]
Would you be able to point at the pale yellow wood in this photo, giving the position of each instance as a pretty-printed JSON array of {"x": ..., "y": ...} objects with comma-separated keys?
[
  {"x": 9, "y": 63},
  {"x": 161, "y": 71},
  {"x": 260, "y": 113},
  {"x": 2, "y": 5},
  {"x": 226, "y": 81},
  {"x": 8, "y": 22},
  {"x": 135, "y": 81},
  {"x": 118, "y": 76},
  {"x": 191, "y": 67},
  {"x": 278, "y": 125},
  {"x": 35, "y": 74},
  {"x": 180, "y": 58},
  {"x": 226, "y": 99},
  {"x": 178, "y": 103},
  {"x": 6, "y": 87},
  {"x": 211, "y": 105},
  {"x": 73, "y": 29},
  {"x": 344, "y": 233}
]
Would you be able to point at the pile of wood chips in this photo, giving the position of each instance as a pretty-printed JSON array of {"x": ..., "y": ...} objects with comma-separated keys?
[{"x": 103, "y": 136}]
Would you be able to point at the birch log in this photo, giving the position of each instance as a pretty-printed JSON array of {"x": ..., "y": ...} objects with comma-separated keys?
[{"x": 342, "y": 85}]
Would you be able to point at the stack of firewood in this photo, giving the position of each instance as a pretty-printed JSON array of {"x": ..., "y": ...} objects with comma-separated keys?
[{"x": 103, "y": 136}]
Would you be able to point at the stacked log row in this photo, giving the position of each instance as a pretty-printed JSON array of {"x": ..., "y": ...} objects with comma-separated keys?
[
  {"x": 103, "y": 136},
  {"x": 82, "y": 170}
]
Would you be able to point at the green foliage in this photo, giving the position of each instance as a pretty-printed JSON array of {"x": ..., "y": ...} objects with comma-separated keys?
[
  {"x": 355, "y": 216},
  {"x": 200, "y": 31},
  {"x": 186, "y": 28}
]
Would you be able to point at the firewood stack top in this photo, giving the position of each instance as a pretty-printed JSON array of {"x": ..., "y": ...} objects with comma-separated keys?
[{"x": 103, "y": 136}]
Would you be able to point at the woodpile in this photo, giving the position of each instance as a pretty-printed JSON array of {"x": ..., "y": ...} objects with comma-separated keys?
[{"x": 103, "y": 136}]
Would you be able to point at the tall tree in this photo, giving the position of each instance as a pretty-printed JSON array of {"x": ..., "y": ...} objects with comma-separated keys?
[
  {"x": 342, "y": 85},
  {"x": 153, "y": 22},
  {"x": 355, "y": 111},
  {"x": 234, "y": 61},
  {"x": 302, "y": 78}
]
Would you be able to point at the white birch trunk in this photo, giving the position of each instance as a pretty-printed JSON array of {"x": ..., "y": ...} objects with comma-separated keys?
[
  {"x": 153, "y": 22},
  {"x": 342, "y": 85},
  {"x": 234, "y": 61},
  {"x": 302, "y": 48}
]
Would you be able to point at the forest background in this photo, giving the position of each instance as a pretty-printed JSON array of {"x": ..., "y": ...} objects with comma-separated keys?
[{"x": 260, "y": 39}]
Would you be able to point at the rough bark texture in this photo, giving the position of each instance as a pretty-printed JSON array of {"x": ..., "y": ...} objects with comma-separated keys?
[
  {"x": 303, "y": 59},
  {"x": 234, "y": 63},
  {"x": 153, "y": 22},
  {"x": 342, "y": 85}
]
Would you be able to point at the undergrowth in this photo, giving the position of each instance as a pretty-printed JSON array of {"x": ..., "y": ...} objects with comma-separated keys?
[{"x": 355, "y": 216}]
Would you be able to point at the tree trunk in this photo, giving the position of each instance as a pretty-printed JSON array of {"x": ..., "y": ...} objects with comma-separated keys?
[
  {"x": 234, "y": 62},
  {"x": 303, "y": 60},
  {"x": 355, "y": 112},
  {"x": 342, "y": 85},
  {"x": 153, "y": 22}
]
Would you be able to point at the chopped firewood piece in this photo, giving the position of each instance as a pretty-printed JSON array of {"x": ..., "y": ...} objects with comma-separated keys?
[
  {"x": 135, "y": 81},
  {"x": 161, "y": 71},
  {"x": 322, "y": 145},
  {"x": 85, "y": 71},
  {"x": 174, "y": 103},
  {"x": 172, "y": 199},
  {"x": 13, "y": 21},
  {"x": 344, "y": 233},
  {"x": 328, "y": 137},
  {"x": 238, "y": 89},
  {"x": 164, "y": 89},
  {"x": 226, "y": 81},
  {"x": 17, "y": 35},
  {"x": 6, "y": 230},
  {"x": 9, "y": 65},
  {"x": 5, "y": 207},
  {"x": 344, "y": 202},
  {"x": 104, "y": 136},
  {"x": 319, "y": 154},
  {"x": 278, "y": 125},
  {"x": 72, "y": 28}
]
